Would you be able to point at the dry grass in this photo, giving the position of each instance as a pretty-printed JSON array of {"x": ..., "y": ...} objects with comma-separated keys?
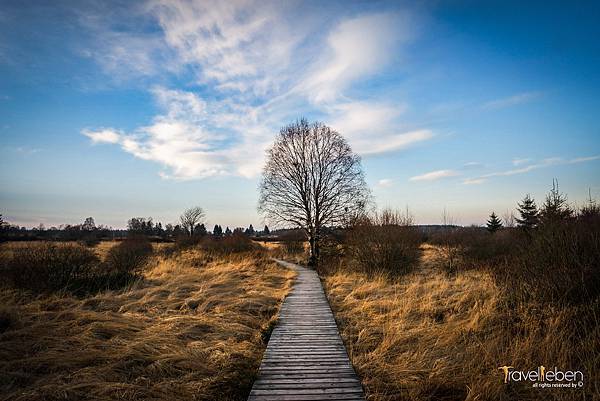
[
  {"x": 101, "y": 249},
  {"x": 193, "y": 329},
  {"x": 434, "y": 336}
]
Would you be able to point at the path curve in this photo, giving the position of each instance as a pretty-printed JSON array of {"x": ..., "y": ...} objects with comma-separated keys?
[{"x": 305, "y": 358}]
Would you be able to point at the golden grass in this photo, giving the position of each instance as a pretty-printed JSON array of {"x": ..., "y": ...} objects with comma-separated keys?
[
  {"x": 431, "y": 336},
  {"x": 193, "y": 330},
  {"x": 101, "y": 249}
]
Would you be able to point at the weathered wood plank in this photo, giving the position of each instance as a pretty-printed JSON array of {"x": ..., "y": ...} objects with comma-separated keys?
[{"x": 305, "y": 358}]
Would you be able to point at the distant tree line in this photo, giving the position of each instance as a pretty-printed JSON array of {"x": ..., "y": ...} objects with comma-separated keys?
[
  {"x": 554, "y": 210},
  {"x": 191, "y": 225}
]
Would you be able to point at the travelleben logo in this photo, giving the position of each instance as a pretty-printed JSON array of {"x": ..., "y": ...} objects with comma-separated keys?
[{"x": 543, "y": 377}]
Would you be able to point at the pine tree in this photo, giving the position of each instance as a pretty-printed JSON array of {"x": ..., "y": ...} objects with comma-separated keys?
[
  {"x": 555, "y": 207},
  {"x": 529, "y": 213},
  {"x": 217, "y": 231},
  {"x": 200, "y": 230},
  {"x": 227, "y": 232},
  {"x": 494, "y": 223},
  {"x": 266, "y": 230}
]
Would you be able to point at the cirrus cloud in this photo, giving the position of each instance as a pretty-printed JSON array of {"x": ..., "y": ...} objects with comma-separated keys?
[
  {"x": 256, "y": 74},
  {"x": 435, "y": 175}
]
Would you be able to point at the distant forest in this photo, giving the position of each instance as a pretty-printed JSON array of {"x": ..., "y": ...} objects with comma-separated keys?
[{"x": 88, "y": 231}]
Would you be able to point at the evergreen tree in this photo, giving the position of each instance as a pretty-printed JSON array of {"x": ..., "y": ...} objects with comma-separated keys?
[
  {"x": 494, "y": 223},
  {"x": 555, "y": 207},
  {"x": 200, "y": 230},
  {"x": 217, "y": 231},
  {"x": 249, "y": 231},
  {"x": 158, "y": 229},
  {"x": 587, "y": 212},
  {"x": 227, "y": 232},
  {"x": 266, "y": 230},
  {"x": 88, "y": 224},
  {"x": 529, "y": 213}
]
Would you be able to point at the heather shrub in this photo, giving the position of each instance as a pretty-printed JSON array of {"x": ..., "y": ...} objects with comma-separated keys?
[
  {"x": 128, "y": 257},
  {"x": 45, "y": 267},
  {"x": 385, "y": 241}
]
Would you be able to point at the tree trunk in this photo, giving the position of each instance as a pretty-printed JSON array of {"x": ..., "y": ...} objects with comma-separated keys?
[{"x": 312, "y": 260}]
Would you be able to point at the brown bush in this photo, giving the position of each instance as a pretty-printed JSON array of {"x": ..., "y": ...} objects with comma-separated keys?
[
  {"x": 472, "y": 247},
  {"x": 47, "y": 267},
  {"x": 294, "y": 247},
  {"x": 235, "y": 243},
  {"x": 385, "y": 242},
  {"x": 557, "y": 263},
  {"x": 128, "y": 257}
]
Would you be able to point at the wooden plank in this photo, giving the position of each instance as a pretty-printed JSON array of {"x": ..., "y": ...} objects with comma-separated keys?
[{"x": 305, "y": 358}]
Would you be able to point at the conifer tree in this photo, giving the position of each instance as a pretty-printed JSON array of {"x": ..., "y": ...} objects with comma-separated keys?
[
  {"x": 266, "y": 230},
  {"x": 528, "y": 212},
  {"x": 217, "y": 231},
  {"x": 494, "y": 223},
  {"x": 227, "y": 232},
  {"x": 200, "y": 230},
  {"x": 555, "y": 207}
]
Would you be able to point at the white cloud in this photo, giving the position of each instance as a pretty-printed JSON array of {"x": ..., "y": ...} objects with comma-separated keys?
[
  {"x": 385, "y": 183},
  {"x": 106, "y": 135},
  {"x": 371, "y": 128},
  {"x": 358, "y": 47},
  {"x": 434, "y": 175},
  {"x": 472, "y": 165},
  {"x": 474, "y": 181},
  {"x": 545, "y": 163},
  {"x": 257, "y": 73},
  {"x": 512, "y": 100}
]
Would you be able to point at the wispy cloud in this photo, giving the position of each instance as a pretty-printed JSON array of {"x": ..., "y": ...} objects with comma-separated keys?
[
  {"x": 512, "y": 100},
  {"x": 472, "y": 165},
  {"x": 520, "y": 161},
  {"x": 549, "y": 162},
  {"x": 435, "y": 175},
  {"x": 385, "y": 183},
  {"x": 357, "y": 47},
  {"x": 257, "y": 73},
  {"x": 24, "y": 150},
  {"x": 105, "y": 135}
]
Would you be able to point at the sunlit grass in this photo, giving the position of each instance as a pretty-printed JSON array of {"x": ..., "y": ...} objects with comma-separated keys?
[
  {"x": 194, "y": 328},
  {"x": 434, "y": 336}
]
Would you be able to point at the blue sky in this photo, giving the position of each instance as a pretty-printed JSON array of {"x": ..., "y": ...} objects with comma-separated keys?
[{"x": 126, "y": 109}]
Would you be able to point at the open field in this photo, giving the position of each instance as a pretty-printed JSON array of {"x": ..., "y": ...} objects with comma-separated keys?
[
  {"x": 101, "y": 249},
  {"x": 434, "y": 336},
  {"x": 193, "y": 328}
]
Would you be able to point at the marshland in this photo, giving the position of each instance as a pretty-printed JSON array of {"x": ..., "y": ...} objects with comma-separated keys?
[{"x": 260, "y": 200}]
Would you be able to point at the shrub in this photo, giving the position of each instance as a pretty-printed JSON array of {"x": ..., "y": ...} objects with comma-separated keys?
[
  {"x": 470, "y": 247},
  {"x": 293, "y": 247},
  {"x": 235, "y": 243},
  {"x": 557, "y": 263},
  {"x": 9, "y": 318},
  {"x": 385, "y": 241},
  {"x": 48, "y": 267},
  {"x": 128, "y": 257}
]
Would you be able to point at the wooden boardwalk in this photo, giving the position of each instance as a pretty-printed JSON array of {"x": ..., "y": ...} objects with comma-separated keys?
[{"x": 305, "y": 358}]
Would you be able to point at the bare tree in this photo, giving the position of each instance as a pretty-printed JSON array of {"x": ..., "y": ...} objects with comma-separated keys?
[
  {"x": 312, "y": 180},
  {"x": 509, "y": 219},
  {"x": 191, "y": 218}
]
